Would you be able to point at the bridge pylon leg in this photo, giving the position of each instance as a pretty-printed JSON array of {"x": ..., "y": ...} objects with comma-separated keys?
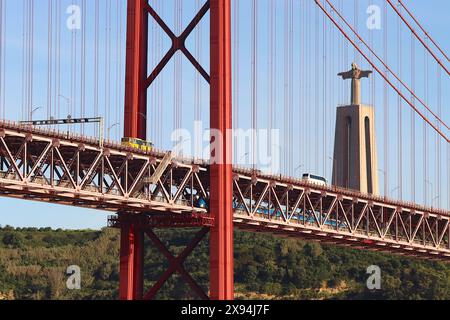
[
  {"x": 221, "y": 182},
  {"x": 131, "y": 285},
  {"x": 136, "y": 70}
]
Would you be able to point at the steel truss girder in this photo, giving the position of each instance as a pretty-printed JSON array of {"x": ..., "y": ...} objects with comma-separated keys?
[
  {"x": 348, "y": 218},
  {"x": 43, "y": 165},
  {"x": 72, "y": 171},
  {"x": 158, "y": 220}
]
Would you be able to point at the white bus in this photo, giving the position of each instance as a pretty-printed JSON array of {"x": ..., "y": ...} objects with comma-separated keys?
[{"x": 310, "y": 178}]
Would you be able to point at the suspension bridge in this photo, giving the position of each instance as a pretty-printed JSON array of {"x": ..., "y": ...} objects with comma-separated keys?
[{"x": 277, "y": 69}]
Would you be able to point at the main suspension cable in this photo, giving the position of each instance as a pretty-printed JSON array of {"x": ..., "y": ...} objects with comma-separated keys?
[
  {"x": 426, "y": 46},
  {"x": 423, "y": 30},
  {"x": 381, "y": 73},
  {"x": 386, "y": 66}
]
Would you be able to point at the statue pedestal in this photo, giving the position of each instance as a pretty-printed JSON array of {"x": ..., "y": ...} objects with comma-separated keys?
[{"x": 355, "y": 157}]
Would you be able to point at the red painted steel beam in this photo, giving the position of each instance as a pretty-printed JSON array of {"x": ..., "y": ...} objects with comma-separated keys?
[
  {"x": 221, "y": 176},
  {"x": 136, "y": 70},
  {"x": 131, "y": 261},
  {"x": 178, "y": 43},
  {"x": 176, "y": 264},
  {"x": 138, "y": 257}
]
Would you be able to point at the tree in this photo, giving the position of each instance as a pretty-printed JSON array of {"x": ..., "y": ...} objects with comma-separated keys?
[{"x": 13, "y": 239}]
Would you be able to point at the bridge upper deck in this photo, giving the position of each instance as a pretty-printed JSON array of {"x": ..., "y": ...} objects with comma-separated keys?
[{"x": 70, "y": 169}]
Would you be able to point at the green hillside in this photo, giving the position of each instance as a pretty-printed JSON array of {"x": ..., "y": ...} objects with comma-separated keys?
[{"x": 33, "y": 264}]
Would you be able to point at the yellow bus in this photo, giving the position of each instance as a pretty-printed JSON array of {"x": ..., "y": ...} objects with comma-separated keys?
[{"x": 137, "y": 144}]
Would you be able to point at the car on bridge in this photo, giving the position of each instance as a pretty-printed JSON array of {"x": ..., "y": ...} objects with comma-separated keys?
[{"x": 311, "y": 178}]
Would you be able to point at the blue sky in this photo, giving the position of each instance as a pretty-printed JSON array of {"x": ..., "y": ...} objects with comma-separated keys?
[{"x": 315, "y": 88}]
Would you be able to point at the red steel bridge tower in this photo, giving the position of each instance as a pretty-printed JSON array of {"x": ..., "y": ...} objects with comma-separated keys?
[{"x": 133, "y": 228}]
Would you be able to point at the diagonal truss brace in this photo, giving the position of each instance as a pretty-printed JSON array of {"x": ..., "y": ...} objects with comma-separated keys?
[
  {"x": 176, "y": 264},
  {"x": 178, "y": 43}
]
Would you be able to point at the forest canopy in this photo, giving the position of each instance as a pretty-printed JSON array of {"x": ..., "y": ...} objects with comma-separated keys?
[{"x": 33, "y": 264}]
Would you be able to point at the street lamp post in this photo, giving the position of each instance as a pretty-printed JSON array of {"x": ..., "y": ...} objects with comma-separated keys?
[
  {"x": 179, "y": 148},
  {"x": 242, "y": 157},
  {"x": 385, "y": 184},
  {"x": 68, "y": 101},
  {"x": 393, "y": 190},
  {"x": 33, "y": 111},
  {"x": 110, "y": 127},
  {"x": 145, "y": 118},
  {"x": 334, "y": 169},
  {"x": 432, "y": 201},
  {"x": 297, "y": 168},
  {"x": 428, "y": 182}
]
